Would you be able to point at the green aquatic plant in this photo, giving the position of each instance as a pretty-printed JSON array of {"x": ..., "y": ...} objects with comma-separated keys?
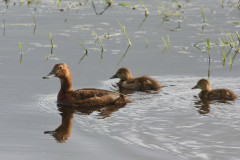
[
  {"x": 147, "y": 42},
  {"x": 101, "y": 44},
  {"x": 179, "y": 4},
  {"x": 164, "y": 42},
  {"x": 34, "y": 19},
  {"x": 123, "y": 4},
  {"x": 207, "y": 44},
  {"x": 203, "y": 14},
  {"x": 146, "y": 11},
  {"x": 83, "y": 46},
  {"x": 124, "y": 31},
  {"x": 224, "y": 58},
  {"x": 168, "y": 40}
]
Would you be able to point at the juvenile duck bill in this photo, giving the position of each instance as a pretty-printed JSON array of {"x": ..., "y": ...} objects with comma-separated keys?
[
  {"x": 195, "y": 87},
  {"x": 114, "y": 76},
  {"x": 50, "y": 75}
]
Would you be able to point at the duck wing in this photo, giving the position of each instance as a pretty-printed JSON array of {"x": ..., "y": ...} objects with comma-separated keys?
[{"x": 93, "y": 97}]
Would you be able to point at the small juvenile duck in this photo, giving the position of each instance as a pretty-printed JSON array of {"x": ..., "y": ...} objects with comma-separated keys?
[
  {"x": 82, "y": 97},
  {"x": 137, "y": 83},
  {"x": 215, "y": 94}
]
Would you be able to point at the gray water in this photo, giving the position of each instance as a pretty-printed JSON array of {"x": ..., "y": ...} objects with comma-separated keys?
[{"x": 169, "y": 124}]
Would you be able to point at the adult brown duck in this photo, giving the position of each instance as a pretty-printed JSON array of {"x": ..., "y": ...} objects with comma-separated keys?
[{"x": 82, "y": 97}]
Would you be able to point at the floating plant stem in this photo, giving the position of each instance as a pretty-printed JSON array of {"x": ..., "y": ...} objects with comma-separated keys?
[
  {"x": 146, "y": 11},
  {"x": 34, "y": 20},
  {"x": 124, "y": 31},
  {"x": 51, "y": 43},
  {"x": 207, "y": 44},
  {"x": 179, "y": 4},
  {"x": 82, "y": 57},
  {"x": 142, "y": 22},
  {"x": 164, "y": 49},
  {"x": 164, "y": 42},
  {"x": 168, "y": 40},
  {"x": 222, "y": 3},
  {"x": 83, "y": 46},
  {"x": 20, "y": 45},
  {"x": 221, "y": 42},
  {"x": 203, "y": 14},
  {"x": 224, "y": 58},
  {"x": 124, "y": 54},
  {"x": 101, "y": 43},
  {"x": 147, "y": 42},
  {"x": 238, "y": 35},
  {"x": 51, "y": 39}
]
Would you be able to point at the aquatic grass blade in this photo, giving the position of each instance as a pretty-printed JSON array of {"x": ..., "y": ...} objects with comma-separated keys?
[
  {"x": 203, "y": 14},
  {"x": 83, "y": 46},
  {"x": 34, "y": 20},
  {"x": 221, "y": 42},
  {"x": 124, "y": 31},
  {"x": 168, "y": 40},
  {"x": 164, "y": 42},
  {"x": 179, "y": 4}
]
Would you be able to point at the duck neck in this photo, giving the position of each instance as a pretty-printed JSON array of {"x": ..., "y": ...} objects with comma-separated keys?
[{"x": 66, "y": 84}]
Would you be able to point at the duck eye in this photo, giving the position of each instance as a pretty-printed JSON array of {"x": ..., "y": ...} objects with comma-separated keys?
[
  {"x": 119, "y": 72},
  {"x": 60, "y": 67}
]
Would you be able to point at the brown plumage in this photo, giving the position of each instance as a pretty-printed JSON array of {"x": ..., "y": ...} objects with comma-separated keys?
[
  {"x": 215, "y": 94},
  {"x": 82, "y": 97},
  {"x": 137, "y": 83}
]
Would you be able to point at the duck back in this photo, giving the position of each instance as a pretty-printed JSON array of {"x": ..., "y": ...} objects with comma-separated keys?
[{"x": 218, "y": 94}]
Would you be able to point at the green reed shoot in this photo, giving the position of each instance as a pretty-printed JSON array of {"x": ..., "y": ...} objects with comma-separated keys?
[
  {"x": 124, "y": 31},
  {"x": 146, "y": 11},
  {"x": 168, "y": 40},
  {"x": 83, "y": 46},
  {"x": 221, "y": 42},
  {"x": 147, "y": 42},
  {"x": 203, "y": 14},
  {"x": 230, "y": 62},
  {"x": 224, "y": 57},
  {"x": 34, "y": 20},
  {"x": 51, "y": 39},
  {"x": 164, "y": 42},
  {"x": 179, "y": 4},
  {"x": 20, "y": 45},
  {"x": 101, "y": 43},
  {"x": 238, "y": 35},
  {"x": 222, "y": 3},
  {"x": 207, "y": 44}
]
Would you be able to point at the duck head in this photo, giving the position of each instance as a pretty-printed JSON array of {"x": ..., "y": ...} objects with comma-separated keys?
[
  {"x": 60, "y": 70},
  {"x": 122, "y": 73},
  {"x": 203, "y": 84}
]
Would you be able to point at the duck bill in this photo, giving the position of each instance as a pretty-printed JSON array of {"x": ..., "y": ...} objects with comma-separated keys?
[
  {"x": 195, "y": 87},
  {"x": 114, "y": 76},
  {"x": 50, "y": 75}
]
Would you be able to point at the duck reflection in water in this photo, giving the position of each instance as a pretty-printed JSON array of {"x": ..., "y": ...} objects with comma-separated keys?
[
  {"x": 63, "y": 132},
  {"x": 203, "y": 105}
]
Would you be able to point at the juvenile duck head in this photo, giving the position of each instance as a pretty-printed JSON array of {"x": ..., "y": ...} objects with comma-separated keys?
[
  {"x": 122, "y": 73},
  {"x": 203, "y": 84}
]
